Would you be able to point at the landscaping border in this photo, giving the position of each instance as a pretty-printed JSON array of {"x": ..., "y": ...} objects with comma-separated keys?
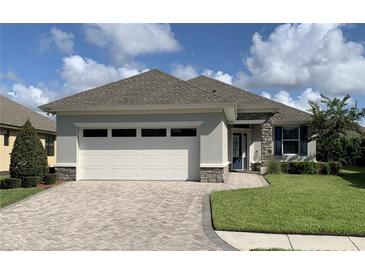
[
  {"x": 208, "y": 225},
  {"x": 33, "y": 196}
]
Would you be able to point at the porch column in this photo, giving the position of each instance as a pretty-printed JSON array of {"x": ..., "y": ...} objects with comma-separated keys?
[{"x": 266, "y": 142}]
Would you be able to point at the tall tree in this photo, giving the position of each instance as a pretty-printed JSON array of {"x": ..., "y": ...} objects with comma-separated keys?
[
  {"x": 28, "y": 157},
  {"x": 331, "y": 124}
]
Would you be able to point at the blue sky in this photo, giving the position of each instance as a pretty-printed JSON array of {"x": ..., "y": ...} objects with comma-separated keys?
[{"x": 289, "y": 63}]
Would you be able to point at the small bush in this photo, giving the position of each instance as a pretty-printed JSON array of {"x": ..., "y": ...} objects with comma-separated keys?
[
  {"x": 273, "y": 167},
  {"x": 50, "y": 179},
  {"x": 310, "y": 168},
  {"x": 285, "y": 167},
  {"x": 10, "y": 183},
  {"x": 335, "y": 167},
  {"x": 323, "y": 168},
  {"x": 30, "y": 181}
]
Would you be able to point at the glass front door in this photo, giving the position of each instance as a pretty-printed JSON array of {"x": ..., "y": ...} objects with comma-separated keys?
[{"x": 237, "y": 150}]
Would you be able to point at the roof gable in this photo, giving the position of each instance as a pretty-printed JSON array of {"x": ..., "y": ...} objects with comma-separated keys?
[
  {"x": 245, "y": 99},
  {"x": 149, "y": 88},
  {"x": 14, "y": 114}
]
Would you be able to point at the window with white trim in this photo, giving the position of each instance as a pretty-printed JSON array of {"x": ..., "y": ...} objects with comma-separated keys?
[{"x": 290, "y": 140}]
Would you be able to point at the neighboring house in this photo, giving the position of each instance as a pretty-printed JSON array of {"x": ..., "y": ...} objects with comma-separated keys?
[
  {"x": 153, "y": 126},
  {"x": 12, "y": 118}
]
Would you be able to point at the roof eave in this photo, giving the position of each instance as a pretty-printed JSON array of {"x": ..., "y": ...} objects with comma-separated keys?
[{"x": 56, "y": 109}]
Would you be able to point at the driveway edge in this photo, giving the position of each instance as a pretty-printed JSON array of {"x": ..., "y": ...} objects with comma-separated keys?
[
  {"x": 208, "y": 227},
  {"x": 33, "y": 196}
]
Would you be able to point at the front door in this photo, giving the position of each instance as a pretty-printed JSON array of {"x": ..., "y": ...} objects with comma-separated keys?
[{"x": 237, "y": 150}]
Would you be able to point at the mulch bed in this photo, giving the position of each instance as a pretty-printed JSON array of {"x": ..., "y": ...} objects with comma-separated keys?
[{"x": 44, "y": 186}]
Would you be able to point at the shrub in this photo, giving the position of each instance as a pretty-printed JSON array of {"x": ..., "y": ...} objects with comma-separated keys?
[
  {"x": 10, "y": 183},
  {"x": 30, "y": 181},
  {"x": 324, "y": 168},
  {"x": 296, "y": 168},
  {"x": 285, "y": 167},
  {"x": 28, "y": 157},
  {"x": 273, "y": 167},
  {"x": 335, "y": 167},
  {"x": 50, "y": 179},
  {"x": 310, "y": 168}
]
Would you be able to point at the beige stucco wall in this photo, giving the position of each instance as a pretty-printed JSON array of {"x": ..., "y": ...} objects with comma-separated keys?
[{"x": 6, "y": 150}]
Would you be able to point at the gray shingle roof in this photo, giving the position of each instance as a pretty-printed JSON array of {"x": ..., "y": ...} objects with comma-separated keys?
[
  {"x": 155, "y": 87},
  {"x": 246, "y": 99},
  {"x": 14, "y": 114},
  {"x": 149, "y": 88}
]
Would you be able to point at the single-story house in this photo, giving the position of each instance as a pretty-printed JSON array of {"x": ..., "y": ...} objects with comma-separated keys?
[
  {"x": 154, "y": 126},
  {"x": 12, "y": 118}
]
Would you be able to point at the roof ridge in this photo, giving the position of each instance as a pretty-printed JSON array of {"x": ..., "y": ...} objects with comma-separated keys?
[{"x": 251, "y": 93}]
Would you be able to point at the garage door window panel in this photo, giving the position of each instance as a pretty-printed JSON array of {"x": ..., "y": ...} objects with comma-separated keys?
[
  {"x": 183, "y": 132},
  {"x": 95, "y": 133},
  {"x": 124, "y": 132},
  {"x": 154, "y": 132}
]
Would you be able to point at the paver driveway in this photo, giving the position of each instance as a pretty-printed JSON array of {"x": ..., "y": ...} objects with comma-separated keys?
[{"x": 113, "y": 215}]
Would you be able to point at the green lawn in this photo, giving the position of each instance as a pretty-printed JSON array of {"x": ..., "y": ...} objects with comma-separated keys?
[
  {"x": 308, "y": 204},
  {"x": 9, "y": 196}
]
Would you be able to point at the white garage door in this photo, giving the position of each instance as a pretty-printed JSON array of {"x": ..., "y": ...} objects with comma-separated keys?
[{"x": 138, "y": 154}]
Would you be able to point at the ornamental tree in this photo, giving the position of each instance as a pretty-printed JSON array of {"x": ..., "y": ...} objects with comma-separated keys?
[
  {"x": 332, "y": 122},
  {"x": 28, "y": 157}
]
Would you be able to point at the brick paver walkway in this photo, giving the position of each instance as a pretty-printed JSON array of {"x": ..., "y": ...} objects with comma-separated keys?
[{"x": 113, "y": 215}]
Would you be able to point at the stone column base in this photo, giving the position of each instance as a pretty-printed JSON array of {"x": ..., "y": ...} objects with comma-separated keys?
[
  {"x": 66, "y": 173},
  {"x": 214, "y": 174}
]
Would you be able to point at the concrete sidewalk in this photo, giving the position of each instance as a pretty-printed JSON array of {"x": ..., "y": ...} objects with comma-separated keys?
[{"x": 248, "y": 241}]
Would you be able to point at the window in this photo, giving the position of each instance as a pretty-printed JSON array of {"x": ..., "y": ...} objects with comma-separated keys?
[
  {"x": 50, "y": 145},
  {"x": 95, "y": 133},
  {"x": 290, "y": 140},
  {"x": 153, "y": 132},
  {"x": 124, "y": 132},
  {"x": 290, "y": 133},
  {"x": 6, "y": 137},
  {"x": 183, "y": 132}
]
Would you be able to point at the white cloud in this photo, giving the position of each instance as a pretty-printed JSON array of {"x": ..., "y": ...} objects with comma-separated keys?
[
  {"x": 184, "y": 72},
  {"x": 219, "y": 75},
  {"x": 299, "y": 55},
  {"x": 125, "y": 41},
  {"x": 62, "y": 40},
  {"x": 85, "y": 73},
  {"x": 28, "y": 95},
  {"x": 299, "y": 102}
]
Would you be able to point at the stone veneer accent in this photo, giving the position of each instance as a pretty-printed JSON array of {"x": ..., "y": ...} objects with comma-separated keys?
[
  {"x": 66, "y": 173},
  {"x": 266, "y": 141},
  {"x": 214, "y": 174}
]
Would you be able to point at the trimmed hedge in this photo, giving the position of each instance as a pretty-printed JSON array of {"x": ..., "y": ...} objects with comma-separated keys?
[
  {"x": 10, "y": 183},
  {"x": 311, "y": 167},
  {"x": 50, "y": 179},
  {"x": 30, "y": 181}
]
